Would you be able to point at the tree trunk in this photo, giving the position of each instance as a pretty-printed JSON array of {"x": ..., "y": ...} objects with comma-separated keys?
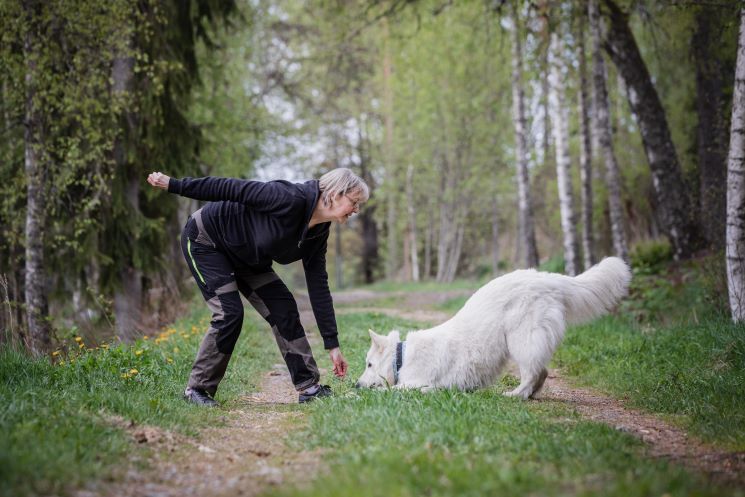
[
  {"x": 391, "y": 267},
  {"x": 37, "y": 308},
  {"x": 429, "y": 240},
  {"x": 736, "y": 187},
  {"x": 495, "y": 239},
  {"x": 128, "y": 296},
  {"x": 560, "y": 120},
  {"x": 585, "y": 154},
  {"x": 527, "y": 243},
  {"x": 672, "y": 199},
  {"x": 712, "y": 128},
  {"x": 605, "y": 136},
  {"x": 413, "y": 248},
  {"x": 370, "y": 256}
]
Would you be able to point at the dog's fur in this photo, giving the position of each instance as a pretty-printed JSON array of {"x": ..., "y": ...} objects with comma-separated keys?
[{"x": 520, "y": 316}]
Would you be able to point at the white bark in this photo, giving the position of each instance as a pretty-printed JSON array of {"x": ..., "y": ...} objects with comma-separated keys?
[
  {"x": 528, "y": 249},
  {"x": 37, "y": 312},
  {"x": 559, "y": 119},
  {"x": 736, "y": 187},
  {"x": 585, "y": 155},
  {"x": 604, "y": 132}
]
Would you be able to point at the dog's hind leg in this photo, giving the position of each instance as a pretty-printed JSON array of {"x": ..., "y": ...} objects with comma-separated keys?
[
  {"x": 539, "y": 382},
  {"x": 532, "y": 377},
  {"x": 532, "y": 349}
]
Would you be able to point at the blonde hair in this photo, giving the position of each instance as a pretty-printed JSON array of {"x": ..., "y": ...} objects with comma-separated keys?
[{"x": 341, "y": 181}]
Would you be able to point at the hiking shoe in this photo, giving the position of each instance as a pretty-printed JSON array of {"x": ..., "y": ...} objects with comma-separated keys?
[
  {"x": 323, "y": 391},
  {"x": 199, "y": 397}
]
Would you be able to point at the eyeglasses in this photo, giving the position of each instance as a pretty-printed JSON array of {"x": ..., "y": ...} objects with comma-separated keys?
[{"x": 355, "y": 203}]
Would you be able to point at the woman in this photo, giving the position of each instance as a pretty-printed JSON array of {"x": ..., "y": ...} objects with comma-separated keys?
[{"x": 229, "y": 246}]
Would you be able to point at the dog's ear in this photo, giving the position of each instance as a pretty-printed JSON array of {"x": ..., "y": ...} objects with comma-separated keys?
[{"x": 377, "y": 340}]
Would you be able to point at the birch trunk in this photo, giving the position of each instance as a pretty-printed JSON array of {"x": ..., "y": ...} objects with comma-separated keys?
[
  {"x": 674, "y": 206},
  {"x": 560, "y": 122},
  {"x": 37, "y": 308},
  {"x": 585, "y": 151},
  {"x": 527, "y": 244},
  {"x": 736, "y": 187},
  {"x": 128, "y": 297},
  {"x": 605, "y": 136},
  {"x": 412, "y": 223}
]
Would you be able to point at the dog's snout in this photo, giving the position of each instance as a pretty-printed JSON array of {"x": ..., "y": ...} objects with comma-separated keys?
[{"x": 357, "y": 385}]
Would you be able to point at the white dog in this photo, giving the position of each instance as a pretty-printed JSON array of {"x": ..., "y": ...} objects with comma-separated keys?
[{"x": 521, "y": 315}]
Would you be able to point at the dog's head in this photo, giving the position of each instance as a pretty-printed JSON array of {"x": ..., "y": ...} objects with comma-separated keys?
[{"x": 379, "y": 361}]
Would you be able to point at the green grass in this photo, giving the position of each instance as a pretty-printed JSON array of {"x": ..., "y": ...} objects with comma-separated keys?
[
  {"x": 56, "y": 428},
  {"x": 693, "y": 372},
  {"x": 393, "y": 443}
]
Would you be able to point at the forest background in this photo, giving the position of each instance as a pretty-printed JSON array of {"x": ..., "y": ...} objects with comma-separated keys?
[{"x": 495, "y": 135}]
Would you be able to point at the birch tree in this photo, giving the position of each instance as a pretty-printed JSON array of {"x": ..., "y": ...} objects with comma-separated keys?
[
  {"x": 528, "y": 248},
  {"x": 601, "y": 109},
  {"x": 559, "y": 119},
  {"x": 736, "y": 187},
  {"x": 128, "y": 295},
  {"x": 585, "y": 150},
  {"x": 37, "y": 309}
]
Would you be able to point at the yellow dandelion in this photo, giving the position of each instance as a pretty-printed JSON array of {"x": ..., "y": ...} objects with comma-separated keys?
[
  {"x": 62, "y": 363},
  {"x": 56, "y": 353},
  {"x": 78, "y": 339},
  {"x": 105, "y": 346},
  {"x": 175, "y": 350},
  {"x": 125, "y": 375},
  {"x": 138, "y": 352},
  {"x": 169, "y": 360},
  {"x": 81, "y": 345},
  {"x": 133, "y": 371},
  {"x": 146, "y": 337}
]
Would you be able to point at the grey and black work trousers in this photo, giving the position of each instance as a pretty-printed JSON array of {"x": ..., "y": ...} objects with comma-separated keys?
[{"x": 220, "y": 282}]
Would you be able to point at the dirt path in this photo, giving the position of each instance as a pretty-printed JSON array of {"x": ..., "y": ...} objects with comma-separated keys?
[
  {"x": 248, "y": 455},
  {"x": 244, "y": 457},
  {"x": 663, "y": 439}
]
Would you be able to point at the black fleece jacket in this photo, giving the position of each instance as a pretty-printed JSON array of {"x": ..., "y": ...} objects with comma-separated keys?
[{"x": 255, "y": 223}]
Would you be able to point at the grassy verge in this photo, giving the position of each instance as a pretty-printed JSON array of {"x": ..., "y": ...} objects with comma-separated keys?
[
  {"x": 693, "y": 372},
  {"x": 55, "y": 419},
  {"x": 391, "y": 443}
]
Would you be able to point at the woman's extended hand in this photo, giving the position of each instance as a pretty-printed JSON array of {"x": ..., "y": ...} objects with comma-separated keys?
[
  {"x": 340, "y": 364},
  {"x": 159, "y": 180}
]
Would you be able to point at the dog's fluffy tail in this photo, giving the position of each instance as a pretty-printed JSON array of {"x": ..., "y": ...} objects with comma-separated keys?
[{"x": 597, "y": 290}]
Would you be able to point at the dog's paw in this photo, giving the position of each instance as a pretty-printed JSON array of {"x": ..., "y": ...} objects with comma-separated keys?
[{"x": 521, "y": 394}]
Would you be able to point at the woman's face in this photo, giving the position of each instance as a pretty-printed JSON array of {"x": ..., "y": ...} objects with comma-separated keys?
[{"x": 344, "y": 206}]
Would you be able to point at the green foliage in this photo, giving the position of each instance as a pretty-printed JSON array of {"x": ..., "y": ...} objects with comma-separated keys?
[
  {"x": 693, "y": 372},
  {"x": 651, "y": 257},
  {"x": 64, "y": 421},
  {"x": 554, "y": 264},
  {"x": 475, "y": 443}
]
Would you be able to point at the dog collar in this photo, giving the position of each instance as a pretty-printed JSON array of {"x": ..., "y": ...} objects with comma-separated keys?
[{"x": 398, "y": 362}]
